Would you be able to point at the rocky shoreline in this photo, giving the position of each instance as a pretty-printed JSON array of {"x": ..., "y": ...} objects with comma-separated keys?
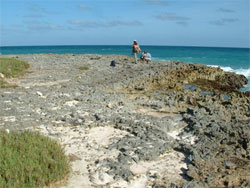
[{"x": 136, "y": 125}]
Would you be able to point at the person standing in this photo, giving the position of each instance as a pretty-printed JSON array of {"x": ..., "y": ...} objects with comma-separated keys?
[{"x": 136, "y": 49}]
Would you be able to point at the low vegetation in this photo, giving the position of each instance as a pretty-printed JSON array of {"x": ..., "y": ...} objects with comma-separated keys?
[
  {"x": 83, "y": 68},
  {"x": 3, "y": 84},
  {"x": 30, "y": 160},
  {"x": 11, "y": 68}
]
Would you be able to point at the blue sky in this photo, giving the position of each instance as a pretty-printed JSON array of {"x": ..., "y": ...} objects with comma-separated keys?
[{"x": 223, "y": 23}]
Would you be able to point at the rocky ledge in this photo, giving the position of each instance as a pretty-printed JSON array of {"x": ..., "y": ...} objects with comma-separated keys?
[{"x": 136, "y": 125}]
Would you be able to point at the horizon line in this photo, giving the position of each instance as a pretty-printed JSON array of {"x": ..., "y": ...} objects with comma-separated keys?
[{"x": 123, "y": 45}]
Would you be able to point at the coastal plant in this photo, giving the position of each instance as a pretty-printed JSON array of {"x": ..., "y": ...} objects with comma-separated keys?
[
  {"x": 3, "y": 84},
  {"x": 11, "y": 68},
  {"x": 29, "y": 159},
  {"x": 83, "y": 68}
]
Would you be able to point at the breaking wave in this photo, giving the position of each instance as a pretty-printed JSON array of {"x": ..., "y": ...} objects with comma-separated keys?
[{"x": 245, "y": 72}]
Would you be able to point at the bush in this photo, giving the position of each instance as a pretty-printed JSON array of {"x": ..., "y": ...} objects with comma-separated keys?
[
  {"x": 3, "y": 84},
  {"x": 83, "y": 68},
  {"x": 10, "y": 68},
  {"x": 29, "y": 159}
]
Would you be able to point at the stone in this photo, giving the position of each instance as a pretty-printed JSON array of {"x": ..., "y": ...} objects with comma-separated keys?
[
  {"x": 73, "y": 157},
  {"x": 2, "y": 75}
]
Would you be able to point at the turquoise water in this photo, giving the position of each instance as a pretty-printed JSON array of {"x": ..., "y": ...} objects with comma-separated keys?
[{"x": 229, "y": 59}]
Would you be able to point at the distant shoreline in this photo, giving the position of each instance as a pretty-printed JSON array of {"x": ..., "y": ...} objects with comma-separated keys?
[
  {"x": 229, "y": 59},
  {"x": 127, "y": 45}
]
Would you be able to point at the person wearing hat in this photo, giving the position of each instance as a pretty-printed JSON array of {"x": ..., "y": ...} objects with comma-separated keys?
[{"x": 136, "y": 49}]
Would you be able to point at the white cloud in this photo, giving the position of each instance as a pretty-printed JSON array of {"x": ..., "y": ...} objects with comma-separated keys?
[
  {"x": 42, "y": 26},
  {"x": 40, "y": 10},
  {"x": 125, "y": 23},
  {"x": 224, "y": 21},
  {"x": 32, "y": 16},
  {"x": 85, "y": 23},
  {"x": 157, "y": 2},
  {"x": 182, "y": 23},
  {"x": 114, "y": 23},
  {"x": 225, "y": 10},
  {"x": 171, "y": 17},
  {"x": 180, "y": 20}
]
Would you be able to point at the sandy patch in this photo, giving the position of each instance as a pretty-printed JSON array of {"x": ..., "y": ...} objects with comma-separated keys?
[
  {"x": 103, "y": 135},
  {"x": 50, "y": 83},
  {"x": 71, "y": 103},
  {"x": 164, "y": 112},
  {"x": 168, "y": 166},
  {"x": 190, "y": 139},
  {"x": 9, "y": 118},
  {"x": 86, "y": 147}
]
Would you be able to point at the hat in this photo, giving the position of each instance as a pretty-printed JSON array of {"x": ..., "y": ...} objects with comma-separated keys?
[{"x": 134, "y": 40}]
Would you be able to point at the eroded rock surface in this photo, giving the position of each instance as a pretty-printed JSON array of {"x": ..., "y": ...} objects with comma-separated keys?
[{"x": 136, "y": 125}]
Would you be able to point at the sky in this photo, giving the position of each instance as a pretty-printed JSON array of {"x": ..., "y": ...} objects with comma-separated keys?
[{"x": 216, "y": 23}]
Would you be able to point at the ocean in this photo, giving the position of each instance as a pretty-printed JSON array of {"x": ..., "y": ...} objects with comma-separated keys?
[{"x": 229, "y": 59}]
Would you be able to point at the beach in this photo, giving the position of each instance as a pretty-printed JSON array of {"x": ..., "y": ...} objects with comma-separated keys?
[{"x": 157, "y": 124}]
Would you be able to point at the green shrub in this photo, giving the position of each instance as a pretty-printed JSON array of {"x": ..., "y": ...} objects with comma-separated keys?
[
  {"x": 3, "y": 83},
  {"x": 83, "y": 68},
  {"x": 29, "y": 159},
  {"x": 10, "y": 68}
]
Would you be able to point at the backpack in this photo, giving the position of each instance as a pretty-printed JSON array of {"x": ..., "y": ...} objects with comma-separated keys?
[{"x": 112, "y": 64}]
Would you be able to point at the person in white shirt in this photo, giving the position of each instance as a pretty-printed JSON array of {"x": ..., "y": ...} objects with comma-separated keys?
[{"x": 146, "y": 56}]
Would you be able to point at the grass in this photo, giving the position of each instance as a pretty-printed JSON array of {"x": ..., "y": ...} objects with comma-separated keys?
[
  {"x": 11, "y": 68},
  {"x": 30, "y": 160},
  {"x": 3, "y": 84},
  {"x": 83, "y": 68}
]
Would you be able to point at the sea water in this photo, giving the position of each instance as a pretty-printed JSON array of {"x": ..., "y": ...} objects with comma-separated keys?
[{"x": 229, "y": 59}]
